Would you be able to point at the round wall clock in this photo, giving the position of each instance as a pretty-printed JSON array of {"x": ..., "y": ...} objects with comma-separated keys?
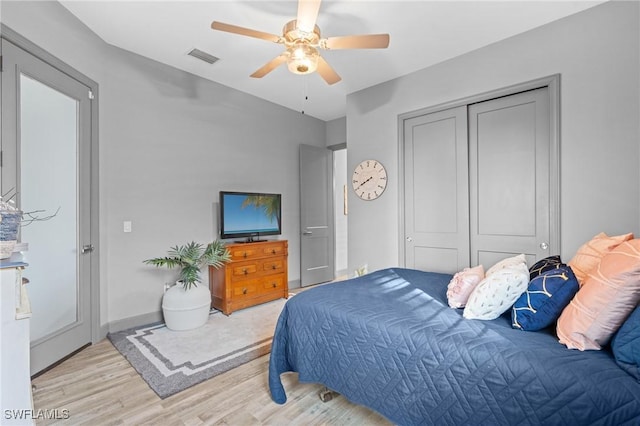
[{"x": 369, "y": 179}]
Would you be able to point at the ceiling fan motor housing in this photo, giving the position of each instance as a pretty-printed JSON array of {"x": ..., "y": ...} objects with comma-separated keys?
[{"x": 301, "y": 48}]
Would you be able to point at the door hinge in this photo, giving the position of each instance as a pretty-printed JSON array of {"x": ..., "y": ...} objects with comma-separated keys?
[
  {"x": 1, "y": 64},
  {"x": 1, "y": 152},
  {"x": 91, "y": 95}
]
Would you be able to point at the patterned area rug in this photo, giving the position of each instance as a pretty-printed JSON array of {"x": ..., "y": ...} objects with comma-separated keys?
[{"x": 172, "y": 361}]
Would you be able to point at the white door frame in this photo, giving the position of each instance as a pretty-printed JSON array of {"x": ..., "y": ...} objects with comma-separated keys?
[{"x": 552, "y": 82}]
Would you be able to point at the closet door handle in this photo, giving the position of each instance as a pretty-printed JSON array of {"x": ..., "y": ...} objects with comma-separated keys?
[{"x": 544, "y": 246}]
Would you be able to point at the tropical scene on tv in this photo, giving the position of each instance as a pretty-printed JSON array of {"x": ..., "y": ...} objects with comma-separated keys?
[{"x": 245, "y": 213}]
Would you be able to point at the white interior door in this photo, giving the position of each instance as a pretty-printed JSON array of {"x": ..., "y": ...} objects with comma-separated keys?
[
  {"x": 50, "y": 143},
  {"x": 316, "y": 216}
]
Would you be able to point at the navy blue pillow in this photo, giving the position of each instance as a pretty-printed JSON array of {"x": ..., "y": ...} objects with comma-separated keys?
[
  {"x": 543, "y": 265},
  {"x": 547, "y": 295},
  {"x": 626, "y": 344}
]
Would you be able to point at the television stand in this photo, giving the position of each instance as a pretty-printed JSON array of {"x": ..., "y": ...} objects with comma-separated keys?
[{"x": 257, "y": 273}]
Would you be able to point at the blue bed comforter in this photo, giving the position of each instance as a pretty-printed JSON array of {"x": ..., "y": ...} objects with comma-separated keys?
[{"x": 389, "y": 341}]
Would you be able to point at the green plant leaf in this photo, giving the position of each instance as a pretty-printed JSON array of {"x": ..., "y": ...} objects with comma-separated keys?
[{"x": 191, "y": 258}]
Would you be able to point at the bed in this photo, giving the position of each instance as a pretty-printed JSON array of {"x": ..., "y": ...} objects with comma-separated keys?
[{"x": 389, "y": 341}]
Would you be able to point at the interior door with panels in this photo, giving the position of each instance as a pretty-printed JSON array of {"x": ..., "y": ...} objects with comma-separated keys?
[
  {"x": 436, "y": 191},
  {"x": 316, "y": 216},
  {"x": 509, "y": 172}
]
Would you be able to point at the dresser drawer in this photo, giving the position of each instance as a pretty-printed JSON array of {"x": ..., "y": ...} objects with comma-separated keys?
[
  {"x": 273, "y": 266},
  {"x": 245, "y": 270},
  {"x": 240, "y": 253},
  {"x": 247, "y": 288},
  {"x": 275, "y": 282},
  {"x": 274, "y": 249}
]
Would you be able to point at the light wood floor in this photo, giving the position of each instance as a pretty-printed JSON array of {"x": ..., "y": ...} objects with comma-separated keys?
[{"x": 98, "y": 386}]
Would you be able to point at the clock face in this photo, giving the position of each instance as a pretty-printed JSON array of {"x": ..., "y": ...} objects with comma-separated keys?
[{"x": 369, "y": 180}]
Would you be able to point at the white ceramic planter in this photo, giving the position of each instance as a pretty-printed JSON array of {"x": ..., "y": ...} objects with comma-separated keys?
[{"x": 186, "y": 309}]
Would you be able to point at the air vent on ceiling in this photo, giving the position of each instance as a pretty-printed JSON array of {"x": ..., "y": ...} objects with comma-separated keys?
[{"x": 203, "y": 56}]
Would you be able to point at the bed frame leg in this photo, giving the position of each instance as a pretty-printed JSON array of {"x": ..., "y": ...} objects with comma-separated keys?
[{"x": 326, "y": 394}]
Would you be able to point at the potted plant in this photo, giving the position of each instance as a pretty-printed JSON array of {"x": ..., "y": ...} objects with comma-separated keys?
[{"x": 186, "y": 305}]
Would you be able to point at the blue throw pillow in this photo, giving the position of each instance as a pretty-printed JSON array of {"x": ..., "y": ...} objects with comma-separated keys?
[
  {"x": 626, "y": 344},
  {"x": 547, "y": 295},
  {"x": 543, "y": 265}
]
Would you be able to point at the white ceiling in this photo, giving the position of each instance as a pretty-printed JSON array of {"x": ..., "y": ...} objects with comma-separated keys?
[{"x": 422, "y": 33}]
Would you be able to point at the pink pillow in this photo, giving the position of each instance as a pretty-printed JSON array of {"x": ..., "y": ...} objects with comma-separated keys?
[
  {"x": 462, "y": 284},
  {"x": 589, "y": 254},
  {"x": 605, "y": 300}
]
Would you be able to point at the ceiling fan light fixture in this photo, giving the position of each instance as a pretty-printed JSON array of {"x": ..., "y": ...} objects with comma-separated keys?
[{"x": 303, "y": 59}]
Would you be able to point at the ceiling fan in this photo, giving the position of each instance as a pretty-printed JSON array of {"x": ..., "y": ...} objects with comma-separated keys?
[{"x": 302, "y": 40}]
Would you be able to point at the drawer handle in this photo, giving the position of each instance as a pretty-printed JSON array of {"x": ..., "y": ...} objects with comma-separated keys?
[
  {"x": 273, "y": 251},
  {"x": 273, "y": 267},
  {"x": 244, "y": 291},
  {"x": 274, "y": 285},
  {"x": 244, "y": 271},
  {"x": 245, "y": 254}
]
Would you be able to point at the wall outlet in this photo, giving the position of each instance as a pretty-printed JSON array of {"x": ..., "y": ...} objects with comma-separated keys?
[{"x": 127, "y": 226}]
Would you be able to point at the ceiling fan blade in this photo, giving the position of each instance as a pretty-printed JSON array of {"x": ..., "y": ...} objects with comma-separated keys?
[
  {"x": 220, "y": 26},
  {"x": 326, "y": 72},
  {"x": 307, "y": 14},
  {"x": 370, "y": 41},
  {"x": 269, "y": 66}
]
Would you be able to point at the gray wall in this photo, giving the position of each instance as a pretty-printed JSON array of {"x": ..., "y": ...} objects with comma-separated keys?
[
  {"x": 169, "y": 141},
  {"x": 337, "y": 131},
  {"x": 597, "y": 54}
]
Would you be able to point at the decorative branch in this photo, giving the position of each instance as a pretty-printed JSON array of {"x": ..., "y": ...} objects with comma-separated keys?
[
  {"x": 32, "y": 217},
  {"x": 26, "y": 218}
]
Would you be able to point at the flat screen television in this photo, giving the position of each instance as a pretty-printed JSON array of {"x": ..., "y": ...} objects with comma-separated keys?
[{"x": 249, "y": 215}]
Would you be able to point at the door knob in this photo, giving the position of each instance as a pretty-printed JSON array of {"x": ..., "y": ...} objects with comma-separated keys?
[
  {"x": 544, "y": 246},
  {"x": 307, "y": 233},
  {"x": 87, "y": 249},
  {"x": 409, "y": 239}
]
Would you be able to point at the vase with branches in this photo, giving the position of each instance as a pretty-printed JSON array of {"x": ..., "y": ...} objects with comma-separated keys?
[{"x": 12, "y": 219}]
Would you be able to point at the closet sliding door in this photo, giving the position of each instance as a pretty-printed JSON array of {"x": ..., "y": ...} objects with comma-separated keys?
[
  {"x": 436, "y": 191},
  {"x": 481, "y": 180},
  {"x": 509, "y": 177}
]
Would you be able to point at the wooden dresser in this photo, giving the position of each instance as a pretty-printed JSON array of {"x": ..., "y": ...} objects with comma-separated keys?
[{"x": 257, "y": 273}]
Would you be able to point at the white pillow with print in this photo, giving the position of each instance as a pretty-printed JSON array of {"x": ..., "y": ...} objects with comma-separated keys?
[
  {"x": 505, "y": 263},
  {"x": 497, "y": 292}
]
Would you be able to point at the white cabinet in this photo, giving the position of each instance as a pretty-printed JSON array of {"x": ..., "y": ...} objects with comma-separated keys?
[{"x": 15, "y": 380}]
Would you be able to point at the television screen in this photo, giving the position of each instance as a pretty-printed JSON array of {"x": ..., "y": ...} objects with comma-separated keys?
[{"x": 247, "y": 214}]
